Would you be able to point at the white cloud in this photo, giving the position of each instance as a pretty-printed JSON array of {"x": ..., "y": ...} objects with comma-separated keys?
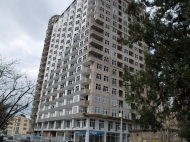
[{"x": 23, "y": 25}]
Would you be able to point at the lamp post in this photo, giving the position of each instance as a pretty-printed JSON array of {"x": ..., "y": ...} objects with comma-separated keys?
[{"x": 120, "y": 115}]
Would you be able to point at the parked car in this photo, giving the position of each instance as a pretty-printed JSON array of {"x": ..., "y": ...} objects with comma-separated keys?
[
  {"x": 5, "y": 138},
  {"x": 30, "y": 138}
]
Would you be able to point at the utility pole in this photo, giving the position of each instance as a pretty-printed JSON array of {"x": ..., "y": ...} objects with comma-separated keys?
[{"x": 121, "y": 123}]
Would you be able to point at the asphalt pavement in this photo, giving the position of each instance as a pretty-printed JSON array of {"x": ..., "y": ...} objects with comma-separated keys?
[{"x": 12, "y": 141}]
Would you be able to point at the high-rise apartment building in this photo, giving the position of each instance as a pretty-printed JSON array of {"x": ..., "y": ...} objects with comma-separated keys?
[{"x": 81, "y": 94}]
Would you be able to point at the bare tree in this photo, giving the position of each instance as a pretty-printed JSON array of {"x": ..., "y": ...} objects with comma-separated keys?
[{"x": 16, "y": 91}]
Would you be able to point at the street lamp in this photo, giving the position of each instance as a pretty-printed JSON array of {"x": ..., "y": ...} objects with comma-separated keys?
[{"x": 120, "y": 115}]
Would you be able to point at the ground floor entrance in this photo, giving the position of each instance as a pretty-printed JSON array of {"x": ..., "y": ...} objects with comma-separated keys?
[{"x": 90, "y": 136}]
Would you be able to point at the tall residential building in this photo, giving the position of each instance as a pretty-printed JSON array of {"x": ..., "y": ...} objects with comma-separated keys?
[
  {"x": 18, "y": 125},
  {"x": 81, "y": 94}
]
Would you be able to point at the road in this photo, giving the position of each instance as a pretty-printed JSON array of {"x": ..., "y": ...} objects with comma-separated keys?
[{"x": 12, "y": 141}]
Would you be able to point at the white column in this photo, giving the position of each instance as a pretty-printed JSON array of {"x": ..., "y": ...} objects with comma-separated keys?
[
  {"x": 87, "y": 130},
  {"x": 72, "y": 123},
  {"x": 54, "y": 125},
  {"x": 105, "y": 134}
]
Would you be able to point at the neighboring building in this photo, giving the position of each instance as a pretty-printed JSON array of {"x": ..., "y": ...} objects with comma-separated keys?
[
  {"x": 148, "y": 136},
  {"x": 18, "y": 125},
  {"x": 79, "y": 81}
]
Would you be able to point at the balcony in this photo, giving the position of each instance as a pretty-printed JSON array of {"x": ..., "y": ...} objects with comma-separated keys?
[
  {"x": 93, "y": 56},
  {"x": 97, "y": 25},
  {"x": 45, "y": 53},
  {"x": 95, "y": 49},
  {"x": 90, "y": 1},
  {"x": 96, "y": 42},
  {"x": 97, "y": 33}
]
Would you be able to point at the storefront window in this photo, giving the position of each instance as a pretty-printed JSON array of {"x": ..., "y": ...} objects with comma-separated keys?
[
  {"x": 60, "y": 137},
  {"x": 69, "y": 136},
  {"x": 80, "y": 136},
  {"x": 112, "y": 137},
  {"x": 96, "y": 136}
]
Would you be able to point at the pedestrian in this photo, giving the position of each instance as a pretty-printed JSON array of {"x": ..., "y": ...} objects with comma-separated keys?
[{"x": 1, "y": 138}]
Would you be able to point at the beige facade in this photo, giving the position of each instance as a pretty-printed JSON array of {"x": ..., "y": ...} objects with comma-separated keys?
[{"x": 18, "y": 125}]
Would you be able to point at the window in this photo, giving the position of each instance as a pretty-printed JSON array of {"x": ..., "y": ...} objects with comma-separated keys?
[
  {"x": 106, "y": 69},
  {"x": 136, "y": 56},
  {"x": 107, "y": 19},
  {"x": 107, "y": 12},
  {"x": 114, "y": 23},
  {"x": 114, "y": 17},
  {"x": 136, "y": 63},
  {"x": 114, "y": 37},
  {"x": 97, "y": 110},
  {"x": 106, "y": 59},
  {"x": 107, "y": 26},
  {"x": 127, "y": 105},
  {"x": 102, "y": 16},
  {"x": 105, "y": 88},
  {"x": 105, "y": 111},
  {"x": 84, "y": 57},
  {"x": 114, "y": 91},
  {"x": 101, "y": 124},
  {"x": 114, "y": 54},
  {"x": 114, "y": 63},
  {"x": 107, "y": 5},
  {"x": 106, "y": 50},
  {"x": 126, "y": 51},
  {"x": 77, "y": 22},
  {"x": 99, "y": 66},
  {"x": 126, "y": 59},
  {"x": 101, "y": 9},
  {"x": 114, "y": 72},
  {"x": 117, "y": 126},
  {"x": 79, "y": 69},
  {"x": 68, "y": 124},
  {"x": 114, "y": 45},
  {"x": 105, "y": 99},
  {"x": 97, "y": 98},
  {"x": 92, "y": 123},
  {"x": 83, "y": 123},
  {"x": 107, "y": 34},
  {"x": 125, "y": 23},
  {"x": 75, "y": 98},
  {"x": 110, "y": 125},
  {"x": 114, "y": 113},
  {"x": 114, "y": 30},
  {"x": 75, "y": 110},
  {"x": 127, "y": 115},
  {"x": 114, "y": 4},
  {"x": 106, "y": 78},
  {"x": 107, "y": 42},
  {"x": 98, "y": 87},
  {"x": 114, "y": 102},
  {"x": 114, "y": 81},
  {"x": 98, "y": 76}
]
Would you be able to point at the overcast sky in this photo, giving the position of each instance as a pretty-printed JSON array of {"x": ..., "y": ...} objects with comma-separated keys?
[{"x": 23, "y": 24}]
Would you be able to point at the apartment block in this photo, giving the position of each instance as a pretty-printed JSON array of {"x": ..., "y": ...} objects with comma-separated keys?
[
  {"x": 18, "y": 125},
  {"x": 80, "y": 96}
]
